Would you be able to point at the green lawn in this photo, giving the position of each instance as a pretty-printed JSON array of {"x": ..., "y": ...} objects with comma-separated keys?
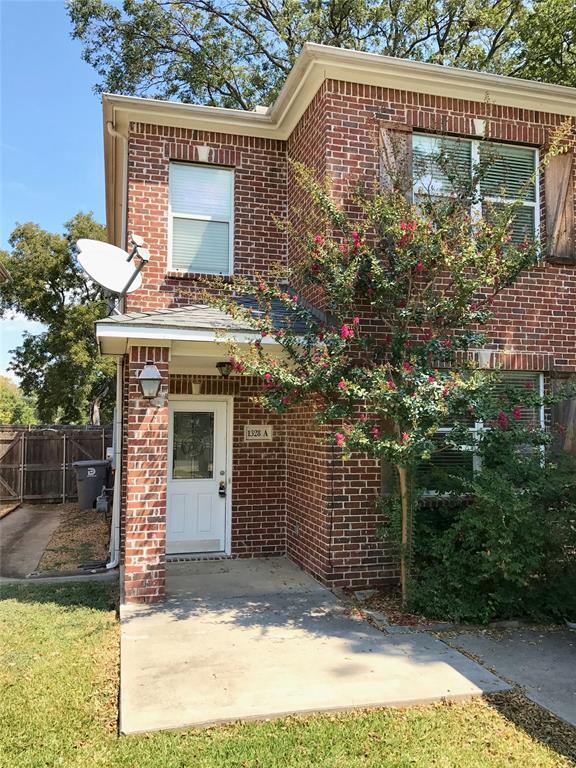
[{"x": 58, "y": 673}]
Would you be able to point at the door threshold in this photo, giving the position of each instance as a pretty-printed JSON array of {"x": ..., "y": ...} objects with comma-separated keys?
[{"x": 185, "y": 558}]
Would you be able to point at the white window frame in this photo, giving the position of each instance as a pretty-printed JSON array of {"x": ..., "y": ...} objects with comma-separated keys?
[
  {"x": 476, "y": 208},
  {"x": 197, "y": 217},
  {"x": 479, "y": 426}
]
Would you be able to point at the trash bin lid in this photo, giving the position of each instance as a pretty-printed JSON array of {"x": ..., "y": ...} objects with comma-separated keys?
[{"x": 91, "y": 463}]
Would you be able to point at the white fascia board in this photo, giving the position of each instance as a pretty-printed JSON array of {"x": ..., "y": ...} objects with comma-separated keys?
[
  {"x": 149, "y": 333},
  {"x": 317, "y": 63}
]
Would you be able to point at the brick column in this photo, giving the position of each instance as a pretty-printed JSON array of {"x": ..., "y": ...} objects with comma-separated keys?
[{"x": 145, "y": 479}]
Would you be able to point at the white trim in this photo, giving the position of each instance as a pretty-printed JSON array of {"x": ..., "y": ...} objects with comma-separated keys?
[
  {"x": 106, "y": 330},
  {"x": 229, "y": 400},
  {"x": 175, "y": 215},
  {"x": 317, "y": 63}
]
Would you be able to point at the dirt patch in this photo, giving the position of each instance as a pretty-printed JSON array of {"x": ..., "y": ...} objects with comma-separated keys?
[{"x": 81, "y": 536}]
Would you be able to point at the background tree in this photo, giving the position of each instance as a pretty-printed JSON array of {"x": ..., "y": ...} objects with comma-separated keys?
[
  {"x": 406, "y": 290},
  {"x": 238, "y": 53},
  {"x": 61, "y": 366},
  {"x": 15, "y": 408}
]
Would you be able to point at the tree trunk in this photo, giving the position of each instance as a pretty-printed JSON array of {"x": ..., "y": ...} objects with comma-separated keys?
[{"x": 405, "y": 504}]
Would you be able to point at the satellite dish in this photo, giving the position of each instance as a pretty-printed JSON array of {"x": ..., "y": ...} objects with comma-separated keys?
[{"x": 111, "y": 267}]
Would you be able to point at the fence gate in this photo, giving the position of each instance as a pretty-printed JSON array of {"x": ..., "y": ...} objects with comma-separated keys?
[{"x": 36, "y": 463}]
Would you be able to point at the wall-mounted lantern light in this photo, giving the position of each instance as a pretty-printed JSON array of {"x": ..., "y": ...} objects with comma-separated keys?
[
  {"x": 224, "y": 369},
  {"x": 149, "y": 380}
]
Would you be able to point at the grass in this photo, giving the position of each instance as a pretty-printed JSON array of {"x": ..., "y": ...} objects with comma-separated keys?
[{"x": 59, "y": 671}]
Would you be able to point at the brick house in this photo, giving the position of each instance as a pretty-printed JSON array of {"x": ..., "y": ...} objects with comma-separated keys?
[{"x": 206, "y": 472}]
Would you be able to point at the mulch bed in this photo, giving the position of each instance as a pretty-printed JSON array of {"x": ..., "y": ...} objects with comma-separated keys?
[
  {"x": 389, "y": 602},
  {"x": 7, "y": 506},
  {"x": 80, "y": 537}
]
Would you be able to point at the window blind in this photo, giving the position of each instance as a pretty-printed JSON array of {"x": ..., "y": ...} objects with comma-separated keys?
[
  {"x": 439, "y": 162},
  {"x": 201, "y": 211}
]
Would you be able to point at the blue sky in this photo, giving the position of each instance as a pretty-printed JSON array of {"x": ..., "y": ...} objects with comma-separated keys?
[{"x": 50, "y": 129}]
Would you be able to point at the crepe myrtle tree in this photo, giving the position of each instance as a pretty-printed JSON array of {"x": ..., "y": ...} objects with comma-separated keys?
[{"x": 406, "y": 290}]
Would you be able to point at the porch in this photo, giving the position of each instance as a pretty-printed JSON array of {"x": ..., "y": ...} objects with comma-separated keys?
[{"x": 259, "y": 638}]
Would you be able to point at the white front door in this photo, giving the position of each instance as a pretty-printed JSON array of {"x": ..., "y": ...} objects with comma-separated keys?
[{"x": 197, "y": 477}]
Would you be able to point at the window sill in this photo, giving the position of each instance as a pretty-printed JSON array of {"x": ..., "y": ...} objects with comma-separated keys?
[{"x": 175, "y": 274}]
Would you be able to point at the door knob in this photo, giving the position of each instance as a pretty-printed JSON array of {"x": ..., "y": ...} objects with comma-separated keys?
[{"x": 222, "y": 489}]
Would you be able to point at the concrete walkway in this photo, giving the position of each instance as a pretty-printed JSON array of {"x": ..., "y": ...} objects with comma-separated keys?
[
  {"x": 246, "y": 639},
  {"x": 24, "y": 534},
  {"x": 542, "y": 662}
]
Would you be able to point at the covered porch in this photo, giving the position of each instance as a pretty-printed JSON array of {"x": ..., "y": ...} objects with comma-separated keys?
[{"x": 207, "y": 473}]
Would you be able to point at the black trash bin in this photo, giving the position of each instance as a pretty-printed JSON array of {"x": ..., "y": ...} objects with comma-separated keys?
[{"x": 91, "y": 475}]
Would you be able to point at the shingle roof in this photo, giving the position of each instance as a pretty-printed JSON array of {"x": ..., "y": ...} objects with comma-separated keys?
[{"x": 204, "y": 316}]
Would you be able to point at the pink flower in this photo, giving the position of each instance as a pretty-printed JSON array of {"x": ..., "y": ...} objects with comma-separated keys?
[
  {"x": 295, "y": 299},
  {"x": 502, "y": 420},
  {"x": 370, "y": 291},
  {"x": 346, "y": 332},
  {"x": 356, "y": 320},
  {"x": 408, "y": 225},
  {"x": 261, "y": 287},
  {"x": 445, "y": 392},
  {"x": 286, "y": 400},
  {"x": 264, "y": 333},
  {"x": 319, "y": 240},
  {"x": 407, "y": 367},
  {"x": 431, "y": 379},
  {"x": 517, "y": 413},
  {"x": 405, "y": 437},
  {"x": 267, "y": 377},
  {"x": 390, "y": 384},
  {"x": 447, "y": 343},
  {"x": 341, "y": 384},
  {"x": 339, "y": 438},
  {"x": 375, "y": 432},
  {"x": 402, "y": 302},
  {"x": 420, "y": 266},
  {"x": 315, "y": 268},
  {"x": 344, "y": 249},
  {"x": 404, "y": 240},
  {"x": 355, "y": 236}
]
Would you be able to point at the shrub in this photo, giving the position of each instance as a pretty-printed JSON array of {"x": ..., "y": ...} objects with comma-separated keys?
[{"x": 503, "y": 543}]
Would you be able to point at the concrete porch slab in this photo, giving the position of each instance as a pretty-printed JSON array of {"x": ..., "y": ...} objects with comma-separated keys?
[{"x": 259, "y": 638}]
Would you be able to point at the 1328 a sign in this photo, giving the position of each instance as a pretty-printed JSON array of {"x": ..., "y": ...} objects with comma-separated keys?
[{"x": 256, "y": 433}]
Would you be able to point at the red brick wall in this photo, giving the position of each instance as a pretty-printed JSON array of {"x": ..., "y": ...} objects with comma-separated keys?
[
  {"x": 145, "y": 484},
  {"x": 259, "y": 200}
]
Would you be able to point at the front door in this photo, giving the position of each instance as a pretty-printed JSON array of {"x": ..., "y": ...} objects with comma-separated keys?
[{"x": 197, "y": 477}]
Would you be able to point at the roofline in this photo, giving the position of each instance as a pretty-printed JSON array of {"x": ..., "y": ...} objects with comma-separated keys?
[{"x": 315, "y": 64}]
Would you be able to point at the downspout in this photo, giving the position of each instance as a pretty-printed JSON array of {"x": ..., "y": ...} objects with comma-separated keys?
[{"x": 117, "y": 492}]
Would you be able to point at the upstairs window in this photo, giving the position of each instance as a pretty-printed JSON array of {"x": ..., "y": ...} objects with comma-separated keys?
[
  {"x": 201, "y": 219},
  {"x": 508, "y": 174}
]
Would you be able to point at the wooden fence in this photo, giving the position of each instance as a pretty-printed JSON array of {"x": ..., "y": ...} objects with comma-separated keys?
[{"x": 36, "y": 462}]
